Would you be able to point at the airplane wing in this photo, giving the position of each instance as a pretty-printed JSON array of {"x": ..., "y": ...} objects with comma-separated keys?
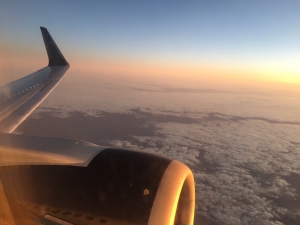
[
  {"x": 45, "y": 180},
  {"x": 19, "y": 98}
]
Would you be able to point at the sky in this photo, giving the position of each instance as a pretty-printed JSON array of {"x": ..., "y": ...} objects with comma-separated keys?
[{"x": 191, "y": 42}]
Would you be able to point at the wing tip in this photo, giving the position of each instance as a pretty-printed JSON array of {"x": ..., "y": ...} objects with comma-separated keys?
[{"x": 55, "y": 56}]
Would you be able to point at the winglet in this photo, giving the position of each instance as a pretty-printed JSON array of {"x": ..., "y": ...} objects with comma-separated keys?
[{"x": 54, "y": 54}]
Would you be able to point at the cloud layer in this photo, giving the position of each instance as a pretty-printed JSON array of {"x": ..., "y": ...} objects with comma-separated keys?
[
  {"x": 241, "y": 168},
  {"x": 243, "y": 147}
]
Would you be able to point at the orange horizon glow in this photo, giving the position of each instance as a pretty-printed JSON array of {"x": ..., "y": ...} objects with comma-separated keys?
[
  {"x": 17, "y": 64},
  {"x": 219, "y": 73}
]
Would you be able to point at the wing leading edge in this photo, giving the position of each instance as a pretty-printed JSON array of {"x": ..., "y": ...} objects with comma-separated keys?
[{"x": 19, "y": 98}]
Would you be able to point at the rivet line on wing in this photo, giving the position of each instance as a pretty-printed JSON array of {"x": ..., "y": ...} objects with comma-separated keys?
[{"x": 27, "y": 89}]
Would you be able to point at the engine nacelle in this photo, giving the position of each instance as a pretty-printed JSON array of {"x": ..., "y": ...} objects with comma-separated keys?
[{"x": 63, "y": 181}]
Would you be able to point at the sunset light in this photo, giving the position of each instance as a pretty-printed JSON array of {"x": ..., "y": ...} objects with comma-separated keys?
[{"x": 150, "y": 112}]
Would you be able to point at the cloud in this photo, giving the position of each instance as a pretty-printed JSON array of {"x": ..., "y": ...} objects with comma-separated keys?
[
  {"x": 246, "y": 170},
  {"x": 243, "y": 149},
  {"x": 249, "y": 161},
  {"x": 109, "y": 95}
]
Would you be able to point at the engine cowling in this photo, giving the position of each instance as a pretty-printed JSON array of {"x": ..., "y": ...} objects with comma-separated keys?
[{"x": 64, "y": 181}]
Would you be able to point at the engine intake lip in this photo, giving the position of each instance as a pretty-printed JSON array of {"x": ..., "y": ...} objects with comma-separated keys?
[{"x": 174, "y": 203}]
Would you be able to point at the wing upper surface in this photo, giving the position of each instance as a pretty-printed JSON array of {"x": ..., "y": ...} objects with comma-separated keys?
[{"x": 19, "y": 98}]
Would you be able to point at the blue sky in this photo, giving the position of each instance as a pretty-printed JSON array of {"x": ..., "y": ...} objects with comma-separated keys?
[{"x": 259, "y": 33}]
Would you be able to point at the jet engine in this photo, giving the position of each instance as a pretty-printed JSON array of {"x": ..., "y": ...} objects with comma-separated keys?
[{"x": 64, "y": 181}]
